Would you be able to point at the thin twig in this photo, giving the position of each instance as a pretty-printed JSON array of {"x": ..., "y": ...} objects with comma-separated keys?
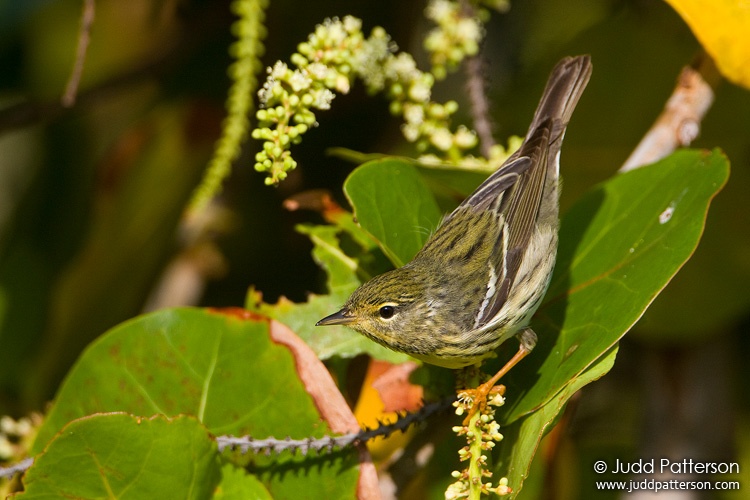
[
  {"x": 155, "y": 68},
  {"x": 476, "y": 89},
  {"x": 480, "y": 106},
  {"x": 679, "y": 123},
  {"x": 84, "y": 36}
]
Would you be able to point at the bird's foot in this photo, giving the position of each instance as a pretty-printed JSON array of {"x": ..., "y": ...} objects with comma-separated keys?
[{"x": 480, "y": 397}]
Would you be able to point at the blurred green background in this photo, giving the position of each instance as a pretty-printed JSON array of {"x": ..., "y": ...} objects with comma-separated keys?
[{"x": 92, "y": 197}]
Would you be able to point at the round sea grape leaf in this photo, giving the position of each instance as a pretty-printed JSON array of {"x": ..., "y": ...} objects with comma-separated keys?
[
  {"x": 117, "y": 455},
  {"x": 230, "y": 369},
  {"x": 620, "y": 245},
  {"x": 450, "y": 185},
  {"x": 339, "y": 267},
  {"x": 221, "y": 368}
]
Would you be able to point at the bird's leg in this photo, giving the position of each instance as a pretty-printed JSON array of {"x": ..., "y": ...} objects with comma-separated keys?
[{"x": 527, "y": 340}]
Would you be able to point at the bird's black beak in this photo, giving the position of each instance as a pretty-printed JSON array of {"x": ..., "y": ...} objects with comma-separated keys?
[{"x": 338, "y": 318}]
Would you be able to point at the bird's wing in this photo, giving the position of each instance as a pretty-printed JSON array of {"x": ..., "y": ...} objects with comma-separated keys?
[{"x": 517, "y": 208}]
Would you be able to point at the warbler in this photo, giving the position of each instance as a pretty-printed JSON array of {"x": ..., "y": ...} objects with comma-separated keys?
[{"x": 483, "y": 273}]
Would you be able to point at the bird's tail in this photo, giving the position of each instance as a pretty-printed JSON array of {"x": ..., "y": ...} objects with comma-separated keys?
[
  {"x": 564, "y": 88},
  {"x": 530, "y": 175}
]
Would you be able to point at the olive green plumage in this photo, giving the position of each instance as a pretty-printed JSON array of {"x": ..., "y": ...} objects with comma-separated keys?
[{"x": 483, "y": 273}]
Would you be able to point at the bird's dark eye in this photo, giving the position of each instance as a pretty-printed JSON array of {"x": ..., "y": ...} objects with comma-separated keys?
[{"x": 387, "y": 312}]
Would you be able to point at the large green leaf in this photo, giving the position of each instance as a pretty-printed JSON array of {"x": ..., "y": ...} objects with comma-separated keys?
[
  {"x": 220, "y": 366},
  {"x": 710, "y": 293},
  {"x": 120, "y": 456},
  {"x": 619, "y": 247}
]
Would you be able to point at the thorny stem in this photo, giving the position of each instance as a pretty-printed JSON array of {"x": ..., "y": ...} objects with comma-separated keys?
[
  {"x": 329, "y": 443},
  {"x": 304, "y": 446}
]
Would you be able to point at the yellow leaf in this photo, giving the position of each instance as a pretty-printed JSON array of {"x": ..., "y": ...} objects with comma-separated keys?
[{"x": 723, "y": 28}]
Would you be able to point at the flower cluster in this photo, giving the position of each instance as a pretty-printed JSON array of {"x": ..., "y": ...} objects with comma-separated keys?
[
  {"x": 16, "y": 436},
  {"x": 426, "y": 123},
  {"x": 329, "y": 61},
  {"x": 481, "y": 432},
  {"x": 455, "y": 37},
  {"x": 324, "y": 63},
  {"x": 458, "y": 33}
]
